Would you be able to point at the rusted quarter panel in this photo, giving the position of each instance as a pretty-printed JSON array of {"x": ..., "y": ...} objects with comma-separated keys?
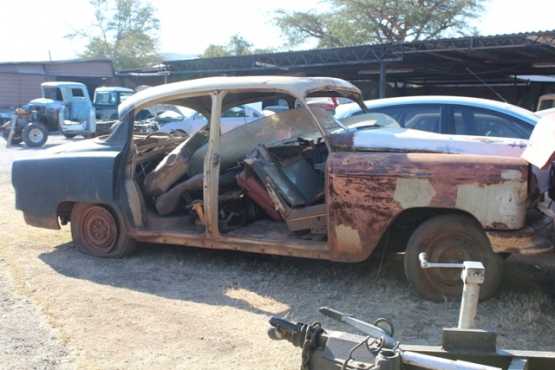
[{"x": 367, "y": 190}]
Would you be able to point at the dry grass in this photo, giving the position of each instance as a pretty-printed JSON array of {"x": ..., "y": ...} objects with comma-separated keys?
[{"x": 175, "y": 307}]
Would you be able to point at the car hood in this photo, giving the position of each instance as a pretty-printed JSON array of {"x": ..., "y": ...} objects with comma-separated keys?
[
  {"x": 402, "y": 139},
  {"x": 45, "y": 101},
  {"x": 541, "y": 147}
]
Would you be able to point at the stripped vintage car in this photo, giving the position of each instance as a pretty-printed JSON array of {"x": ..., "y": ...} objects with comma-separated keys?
[{"x": 294, "y": 183}]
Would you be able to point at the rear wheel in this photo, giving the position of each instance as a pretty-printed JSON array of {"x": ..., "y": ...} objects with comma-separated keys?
[
  {"x": 97, "y": 231},
  {"x": 69, "y": 136},
  {"x": 450, "y": 238},
  {"x": 35, "y": 134}
]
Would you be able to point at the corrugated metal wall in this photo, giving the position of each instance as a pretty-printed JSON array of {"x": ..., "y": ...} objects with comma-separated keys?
[
  {"x": 20, "y": 82},
  {"x": 17, "y": 89},
  {"x": 83, "y": 69}
]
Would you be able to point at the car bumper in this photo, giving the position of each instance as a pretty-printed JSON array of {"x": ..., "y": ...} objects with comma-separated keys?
[{"x": 537, "y": 237}]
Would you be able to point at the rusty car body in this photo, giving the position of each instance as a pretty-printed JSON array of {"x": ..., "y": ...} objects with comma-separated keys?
[{"x": 295, "y": 183}]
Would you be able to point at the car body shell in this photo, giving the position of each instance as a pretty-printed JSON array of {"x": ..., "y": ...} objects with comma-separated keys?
[{"x": 368, "y": 186}]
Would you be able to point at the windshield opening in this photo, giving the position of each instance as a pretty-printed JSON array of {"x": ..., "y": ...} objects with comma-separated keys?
[
  {"x": 53, "y": 93},
  {"x": 105, "y": 98}
]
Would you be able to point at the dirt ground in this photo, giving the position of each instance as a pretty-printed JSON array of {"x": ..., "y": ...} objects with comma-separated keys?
[{"x": 177, "y": 307}]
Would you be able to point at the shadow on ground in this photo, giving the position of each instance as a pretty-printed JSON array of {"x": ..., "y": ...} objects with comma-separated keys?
[{"x": 211, "y": 277}]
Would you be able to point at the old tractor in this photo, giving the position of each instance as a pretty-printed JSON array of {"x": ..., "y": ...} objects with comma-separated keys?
[{"x": 64, "y": 107}]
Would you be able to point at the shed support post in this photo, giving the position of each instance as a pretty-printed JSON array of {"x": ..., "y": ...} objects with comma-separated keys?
[{"x": 381, "y": 87}]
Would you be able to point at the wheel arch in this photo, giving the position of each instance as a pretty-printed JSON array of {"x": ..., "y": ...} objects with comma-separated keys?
[
  {"x": 100, "y": 235},
  {"x": 403, "y": 225},
  {"x": 65, "y": 208},
  {"x": 63, "y": 212}
]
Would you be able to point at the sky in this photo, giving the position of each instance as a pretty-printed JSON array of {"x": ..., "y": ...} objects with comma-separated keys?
[{"x": 33, "y": 29}]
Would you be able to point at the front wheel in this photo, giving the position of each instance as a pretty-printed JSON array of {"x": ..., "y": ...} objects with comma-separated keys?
[
  {"x": 450, "y": 238},
  {"x": 35, "y": 134},
  {"x": 97, "y": 231}
]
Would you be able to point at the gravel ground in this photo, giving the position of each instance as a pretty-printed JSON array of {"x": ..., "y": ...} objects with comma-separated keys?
[
  {"x": 176, "y": 307},
  {"x": 26, "y": 339}
]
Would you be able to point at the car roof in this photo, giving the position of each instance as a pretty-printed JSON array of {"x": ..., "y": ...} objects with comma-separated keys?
[
  {"x": 545, "y": 112},
  {"x": 113, "y": 88},
  {"x": 295, "y": 86},
  {"x": 494, "y": 105},
  {"x": 63, "y": 84}
]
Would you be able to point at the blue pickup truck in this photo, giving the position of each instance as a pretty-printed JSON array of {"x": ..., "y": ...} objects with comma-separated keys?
[{"x": 64, "y": 106}]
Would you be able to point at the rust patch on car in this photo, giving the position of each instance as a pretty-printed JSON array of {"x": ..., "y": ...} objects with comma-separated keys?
[
  {"x": 367, "y": 190},
  {"x": 535, "y": 238}
]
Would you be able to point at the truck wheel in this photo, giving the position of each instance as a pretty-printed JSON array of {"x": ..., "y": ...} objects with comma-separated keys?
[
  {"x": 69, "y": 136},
  {"x": 97, "y": 231},
  {"x": 35, "y": 134},
  {"x": 450, "y": 238}
]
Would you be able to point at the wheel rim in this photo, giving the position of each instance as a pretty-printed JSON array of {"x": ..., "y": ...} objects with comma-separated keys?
[
  {"x": 98, "y": 229},
  {"x": 455, "y": 249},
  {"x": 36, "y": 135}
]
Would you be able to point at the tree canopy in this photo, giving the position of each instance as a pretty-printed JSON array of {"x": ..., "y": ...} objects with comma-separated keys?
[
  {"x": 353, "y": 22},
  {"x": 125, "y": 31},
  {"x": 237, "y": 45}
]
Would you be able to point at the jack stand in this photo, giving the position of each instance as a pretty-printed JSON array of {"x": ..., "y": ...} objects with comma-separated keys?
[{"x": 466, "y": 336}]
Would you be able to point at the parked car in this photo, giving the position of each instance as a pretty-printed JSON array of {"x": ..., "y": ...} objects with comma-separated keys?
[
  {"x": 107, "y": 99},
  {"x": 546, "y": 101},
  {"x": 448, "y": 115},
  {"x": 64, "y": 106},
  {"x": 189, "y": 121},
  {"x": 295, "y": 183}
]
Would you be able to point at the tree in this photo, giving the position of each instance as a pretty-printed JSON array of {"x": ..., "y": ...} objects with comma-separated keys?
[
  {"x": 125, "y": 31},
  {"x": 215, "y": 51},
  {"x": 353, "y": 22},
  {"x": 237, "y": 45}
]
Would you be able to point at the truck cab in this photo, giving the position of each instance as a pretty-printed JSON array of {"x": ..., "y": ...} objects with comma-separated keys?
[
  {"x": 107, "y": 99},
  {"x": 72, "y": 103}
]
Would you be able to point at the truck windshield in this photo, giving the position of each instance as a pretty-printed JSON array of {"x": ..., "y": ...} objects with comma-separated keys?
[{"x": 105, "y": 98}]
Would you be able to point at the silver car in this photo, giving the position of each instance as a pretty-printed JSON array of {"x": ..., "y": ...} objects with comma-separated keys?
[{"x": 446, "y": 115}]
